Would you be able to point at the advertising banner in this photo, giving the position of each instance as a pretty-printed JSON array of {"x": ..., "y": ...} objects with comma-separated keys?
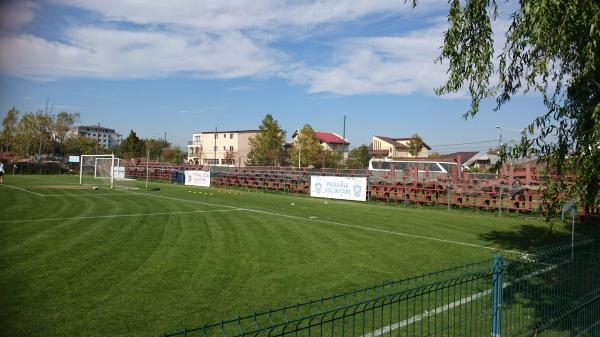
[
  {"x": 119, "y": 172},
  {"x": 73, "y": 159},
  {"x": 345, "y": 188},
  {"x": 197, "y": 178}
]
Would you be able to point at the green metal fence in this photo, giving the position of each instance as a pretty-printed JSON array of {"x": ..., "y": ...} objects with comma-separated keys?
[{"x": 550, "y": 292}]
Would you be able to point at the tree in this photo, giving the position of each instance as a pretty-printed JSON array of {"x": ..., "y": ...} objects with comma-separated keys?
[
  {"x": 156, "y": 147},
  {"x": 9, "y": 129},
  {"x": 34, "y": 134},
  {"x": 329, "y": 159},
  {"x": 173, "y": 155},
  {"x": 552, "y": 48},
  {"x": 358, "y": 158},
  {"x": 266, "y": 148},
  {"x": 63, "y": 122},
  {"x": 79, "y": 145},
  {"x": 61, "y": 125},
  {"x": 434, "y": 154},
  {"x": 131, "y": 147},
  {"x": 307, "y": 148},
  {"x": 415, "y": 145}
]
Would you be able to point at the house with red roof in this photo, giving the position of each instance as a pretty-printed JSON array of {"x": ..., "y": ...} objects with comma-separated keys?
[
  {"x": 330, "y": 141},
  {"x": 389, "y": 147}
]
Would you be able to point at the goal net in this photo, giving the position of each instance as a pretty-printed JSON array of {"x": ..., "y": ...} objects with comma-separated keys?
[{"x": 104, "y": 171}]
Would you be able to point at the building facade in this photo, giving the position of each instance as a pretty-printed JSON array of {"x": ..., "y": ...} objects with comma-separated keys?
[
  {"x": 220, "y": 148},
  {"x": 388, "y": 147},
  {"x": 104, "y": 136},
  {"x": 330, "y": 141}
]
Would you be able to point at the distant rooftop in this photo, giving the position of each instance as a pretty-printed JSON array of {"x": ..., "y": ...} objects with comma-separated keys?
[
  {"x": 95, "y": 127},
  {"x": 328, "y": 137},
  {"x": 230, "y": 131},
  {"x": 396, "y": 142}
]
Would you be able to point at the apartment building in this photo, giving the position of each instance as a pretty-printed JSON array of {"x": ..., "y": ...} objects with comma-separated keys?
[
  {"x": 104, "y": 136},
  {"x": 220, "y": 148}
]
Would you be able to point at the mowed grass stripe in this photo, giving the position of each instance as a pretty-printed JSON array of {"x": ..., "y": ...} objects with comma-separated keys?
[
  {"x": 145, "y": 275},
  {"x": 433, "y": 237}
]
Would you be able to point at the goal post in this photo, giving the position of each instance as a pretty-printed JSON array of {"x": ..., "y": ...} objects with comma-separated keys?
[{"x": 97, "y": 169}]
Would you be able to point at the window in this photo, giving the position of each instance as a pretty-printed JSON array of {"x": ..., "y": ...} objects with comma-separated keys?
[
  {"x": 228, "y": 161},
  {"x": 231, "y": 148},
  {"x": 224, "y": 135},
  {"x": 224, "y": 148},
  {"x": 231, "y": 136}
]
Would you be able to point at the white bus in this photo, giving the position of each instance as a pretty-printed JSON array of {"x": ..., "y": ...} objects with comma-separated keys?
[{"x": 432, "y": 165}]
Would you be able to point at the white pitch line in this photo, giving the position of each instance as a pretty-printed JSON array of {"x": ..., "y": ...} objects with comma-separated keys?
[
  {"x": 434, "y": 312},
  {"x": 22, "y": 189},
  {"x": 120, "y": 215},
  {"x": 82, "y": 195},
  {"x": 419, "y": 317},
  {"x": 336, "y": 223}
]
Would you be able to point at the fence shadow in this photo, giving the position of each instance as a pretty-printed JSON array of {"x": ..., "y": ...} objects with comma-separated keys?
[{"x": 526, "y": 237}]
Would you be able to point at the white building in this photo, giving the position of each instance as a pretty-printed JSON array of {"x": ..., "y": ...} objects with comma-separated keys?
[
  {"x": 104, "y": 136},
  {"x": 223, "y": 148}
]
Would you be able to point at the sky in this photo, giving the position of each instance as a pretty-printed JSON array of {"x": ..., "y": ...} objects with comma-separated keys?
[{"x": 183, "y": 66}]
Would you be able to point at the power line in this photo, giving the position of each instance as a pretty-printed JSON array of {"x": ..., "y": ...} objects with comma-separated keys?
[{"x": 468, "y": 143}]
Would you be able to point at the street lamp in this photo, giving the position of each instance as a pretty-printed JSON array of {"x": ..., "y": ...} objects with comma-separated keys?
[{"x": 500, "y": 141}]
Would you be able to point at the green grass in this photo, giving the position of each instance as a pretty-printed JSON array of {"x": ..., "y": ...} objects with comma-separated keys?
[{"x": 155, "y": 270}]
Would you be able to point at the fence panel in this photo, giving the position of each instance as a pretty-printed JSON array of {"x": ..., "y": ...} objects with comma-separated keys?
[{"x": 552, "y": 292}]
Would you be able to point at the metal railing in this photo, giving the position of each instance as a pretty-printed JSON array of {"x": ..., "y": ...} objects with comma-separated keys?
[{"x": 554, "y": 291}]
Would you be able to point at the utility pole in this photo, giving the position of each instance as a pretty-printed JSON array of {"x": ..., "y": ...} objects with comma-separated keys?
[
  {"x": 344, "y": 130},
  {"x": 215, "y": 148}
]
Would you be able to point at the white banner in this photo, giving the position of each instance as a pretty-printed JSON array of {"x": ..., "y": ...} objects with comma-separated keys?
[
  {"x": 119, "y": 172},
  {"x": 346, "y": 188},
  {"x": 73, "y": 159},
  {"x": 197, "y": 178}
]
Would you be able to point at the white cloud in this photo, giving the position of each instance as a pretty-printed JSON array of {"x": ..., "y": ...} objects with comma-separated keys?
[
  {"x": 396, "y": 65},
  {"x": 231, "y": 39},
  {"x": 16, "y": 13},
  {"x": 219, "y": 15},
  {"x": 104, "y": 53}
]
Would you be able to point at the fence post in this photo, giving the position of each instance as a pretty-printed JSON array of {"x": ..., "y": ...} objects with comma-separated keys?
[
  {"x": 448, "y": 193},
  {"x": 501, "y": 190},
  {"x": 497, "y": 273}
]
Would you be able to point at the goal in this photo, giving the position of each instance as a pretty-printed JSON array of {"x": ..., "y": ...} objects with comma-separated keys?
[{"x": 104, "y": 170}]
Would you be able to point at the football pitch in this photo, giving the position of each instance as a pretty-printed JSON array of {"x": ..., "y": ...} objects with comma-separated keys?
[{"x": 83, "y": 262}]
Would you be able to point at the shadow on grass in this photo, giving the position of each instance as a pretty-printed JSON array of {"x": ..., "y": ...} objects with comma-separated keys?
[{"x": 528, "y": 237}]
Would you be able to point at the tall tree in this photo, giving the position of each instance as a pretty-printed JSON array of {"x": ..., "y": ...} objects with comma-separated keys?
[
  {"x": 307, "y": 149},
  {"x": 550, "y": 47},
  {"x": 34, "y": 134},
  {"x": 63, "y": 122},
  {"x": 131, "y": 147},
  {"x": 173, "y": 155},
  {"x": 9, "y": 129},
  {"x": 266, "y": 148},
  {"x": 79, "y": 145},
  {"x": 61, "y": 125},
  {"x": 415, "y": 145},
  {"x": 155, "y": 146},
  {"x": 358, "y": 158}
]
